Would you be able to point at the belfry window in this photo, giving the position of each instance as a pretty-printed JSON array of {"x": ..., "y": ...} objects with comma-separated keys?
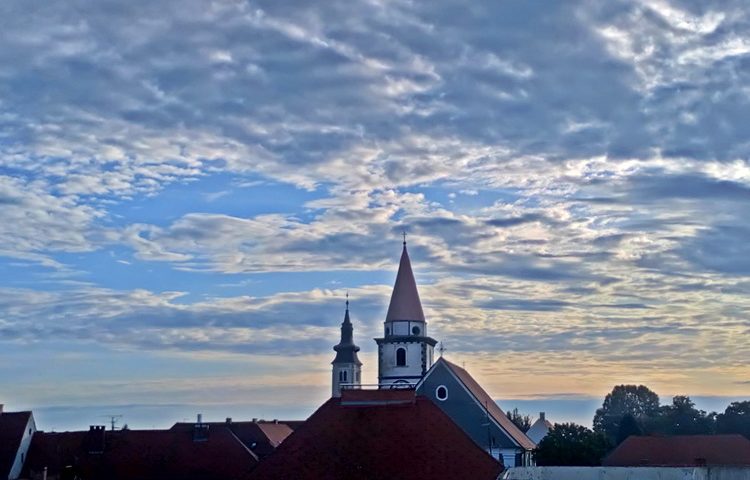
[
  {"x": 401, "y": 357},
  {"x": 345, "y": 375}
]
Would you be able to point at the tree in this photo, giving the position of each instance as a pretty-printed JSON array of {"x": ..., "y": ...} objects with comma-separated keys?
[
  {"x": 735, "y": 419},
  {"x": 682, "y": 418},
  {"x": 523, "y": 422},
  {"x": 639, "y": 401},
  {"x": 628, "y": 426},
  {"x": 568, "y": 444}
]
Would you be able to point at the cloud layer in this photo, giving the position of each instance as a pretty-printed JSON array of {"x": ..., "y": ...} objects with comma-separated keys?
[{"x": 209, "y": 177}]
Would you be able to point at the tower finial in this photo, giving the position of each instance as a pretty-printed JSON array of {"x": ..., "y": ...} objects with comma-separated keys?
[
  {"x": 347, "y": 299},
  {"x": 404, "y": 234},
  {"x": 441, "y": 348}
]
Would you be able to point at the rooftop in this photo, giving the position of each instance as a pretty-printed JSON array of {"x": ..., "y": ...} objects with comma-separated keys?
[
  {"x": 680, "y": 451},
  {"x": 12, "y": 428},
  {"x": 408, "y": 440}
]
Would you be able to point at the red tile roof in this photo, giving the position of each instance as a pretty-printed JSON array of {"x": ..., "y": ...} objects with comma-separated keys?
[
  {"x": 12, "y": 428},
  {"x": 493, "y": 409},
  {"x": 143, "y": 455},
  {"x": 371, "y": 397},
  {"x": 407, "y": 441},
  {"x": 261, "y": 437},
  {"x": 680, "y": 451},
  {"x": 275, "y": 432}
]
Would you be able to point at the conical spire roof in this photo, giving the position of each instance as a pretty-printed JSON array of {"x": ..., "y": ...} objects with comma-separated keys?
[{"x": 405, "y": 303}]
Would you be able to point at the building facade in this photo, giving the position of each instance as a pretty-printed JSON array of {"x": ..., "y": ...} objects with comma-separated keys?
[{"x": 457, "y": 394}]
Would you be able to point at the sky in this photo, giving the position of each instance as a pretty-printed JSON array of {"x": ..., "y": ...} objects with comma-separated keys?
[{"x": 189, "y": 188}]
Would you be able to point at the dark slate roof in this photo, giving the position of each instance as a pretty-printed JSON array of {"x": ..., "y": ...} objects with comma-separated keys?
[
  {"x": 143, "y": 455},
  {"x": 680, "y": 451},
  {"x": 261, "y": 437},
  {"x": 346, "y": 350},
  {"x": 492, "y": 408},
  {"x": 12, "y": 428},
  {"x": 408, "y": 440},
  {"x": 405, "y": 303}
]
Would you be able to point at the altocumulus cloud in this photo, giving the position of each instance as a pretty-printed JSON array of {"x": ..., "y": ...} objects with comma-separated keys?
[{"x": 604, "y": 146}]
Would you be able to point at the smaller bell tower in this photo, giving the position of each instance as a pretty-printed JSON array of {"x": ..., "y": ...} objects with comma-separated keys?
[{"x": 347, "y": 369}]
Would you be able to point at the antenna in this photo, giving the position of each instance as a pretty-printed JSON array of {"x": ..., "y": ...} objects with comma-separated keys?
[{"x": 112, "y": 420}]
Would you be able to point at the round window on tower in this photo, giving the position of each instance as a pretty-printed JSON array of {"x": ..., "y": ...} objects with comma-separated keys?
[
  {"x": 415, "y": 330},
  {"x": 441, "y": 393}
]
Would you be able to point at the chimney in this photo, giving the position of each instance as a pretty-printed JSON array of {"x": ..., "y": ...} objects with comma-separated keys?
[
  {"x": 95, "y": 440},
  {"x": 255, "y": 420},
  {"x": 229, "y": 420},
  {"x": 200, "y": 430},
  {"x": 1, "y": 408},
  {"x": 541, "y": 416}
]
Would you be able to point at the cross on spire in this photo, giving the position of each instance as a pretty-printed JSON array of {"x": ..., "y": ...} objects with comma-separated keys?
[
  {"x": 441, "y": 348},
  {"x": 404, "y": 234},
  {"x": 347, "y": 299}
]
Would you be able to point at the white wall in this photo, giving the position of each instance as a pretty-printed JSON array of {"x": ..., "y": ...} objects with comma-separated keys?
[
  {"x": 627, "y": 473},
  {"x": 23, "y": 450},
  {"x": 413, "y": 360}
]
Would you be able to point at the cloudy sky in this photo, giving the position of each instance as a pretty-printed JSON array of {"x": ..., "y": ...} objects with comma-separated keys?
[{"x": 188, "y": 189}]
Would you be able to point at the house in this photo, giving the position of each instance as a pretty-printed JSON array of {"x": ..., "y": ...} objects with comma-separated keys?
[
  {"x": 16, "y": 431},
  {"x": 378, "y": 434},
  {"x": 539, "y": 429},
  {"x": 681, "y": 451},
  {"x": 456, "y": 393},
  {"x": 259, "y": 436},
  {"x": 198, "y": 453}
]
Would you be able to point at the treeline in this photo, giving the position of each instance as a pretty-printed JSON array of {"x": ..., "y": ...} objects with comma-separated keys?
[{"x": 634, "y": 410}]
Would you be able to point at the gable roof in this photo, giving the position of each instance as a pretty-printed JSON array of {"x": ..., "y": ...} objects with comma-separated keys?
[
  {"x": 260, "y": 437},
  {"x": 539, "y": 429},
  {"x": 405, "y": 303},
  {"x": 680, "y": 451},
  {"x": 378, "y": 440},
  {"x": 142, "y": 455},
  {"x": 12, "y": 427},
  {"x": 494, "y": 411}
]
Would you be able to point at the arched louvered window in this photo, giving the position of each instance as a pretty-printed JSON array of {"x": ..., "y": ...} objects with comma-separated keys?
[
  {"x": 344, "y": 375},
  {"x": 400, "y": 357}
]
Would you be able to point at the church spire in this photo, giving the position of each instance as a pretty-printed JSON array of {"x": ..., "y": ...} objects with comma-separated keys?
[
  {"x": 405, "y": 352},
  {"x": 405, "y": 303},
  {"x": 346, "y": 350}
]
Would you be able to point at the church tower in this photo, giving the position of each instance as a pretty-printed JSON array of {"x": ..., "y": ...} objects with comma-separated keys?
[
  {"x": 405, "y": 352},
  {"x": 347, "y": 368}
]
